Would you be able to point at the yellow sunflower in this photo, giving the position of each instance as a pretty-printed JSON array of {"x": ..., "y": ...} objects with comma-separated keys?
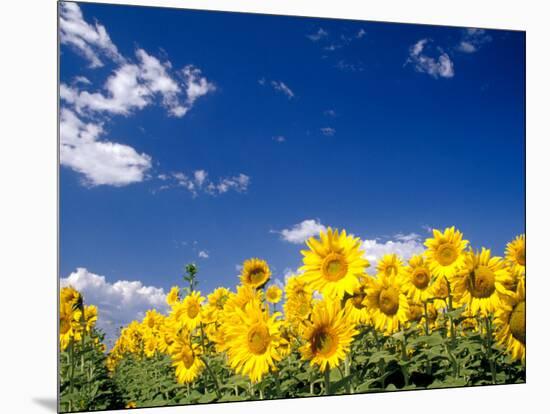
[
  {"x": 186, "y": 359},
  {"x": 355, "y": 307},
  {"x": 252, "y": 341},
  {"x": 69, "y": 324},
  {"x": 417, "y": 279},
  {"x": 218, "y": 297},
  {"x": 390, "y": 265},
  {"x": 387, "y": 303},
  {"x": 90, "y": 316},
  {"x": 255, "y": 273},
  {"x": 510, "y": 323},
  {"x": 297, "y": 288},
  {"x": 439, "y": 292},
  {"x": 444, "y": 253},
  {"x": 173, "y": 296},
  {"x": 273, "y": 294},
  {"x": 150, "y": 345},
  {"x": 515, "y": 254},
  {"x": 188, "y": 312},
  {"x": 334, "y": 263},
  {"x": 481, "y": 283},
  {"x": 328, "y": 335}
]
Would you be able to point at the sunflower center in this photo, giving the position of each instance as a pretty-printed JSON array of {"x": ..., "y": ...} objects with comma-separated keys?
[
  {"x": 187, "y": 357},
  {"x": 257, "y": 276},
  {"x": 520, "y": 256},
  {"x": 193, "y": 310},
  {"x": 517, "y": 322},
  {"x": 357, "y": 300},
  {"x": 258, "y": 339},
  {"x": 323, "y": 343},
  {"x": 389, "y": 301},
  {"x": 420, "y": 278},
  {"x": 64, "y": 325},
  {"x": 446, "y": 254},
  {"x": 335, "y": 267},
  {"x": 482, "y": 282}
]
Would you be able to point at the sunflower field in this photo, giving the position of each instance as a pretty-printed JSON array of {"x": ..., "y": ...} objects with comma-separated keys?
[{"x": 452, "y": 316}]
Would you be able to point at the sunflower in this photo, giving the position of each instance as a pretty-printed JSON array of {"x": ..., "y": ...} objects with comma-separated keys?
[
  {"x": 152, "y": 319},
  {"x": 355, "y": 307},
  {"x": 173, "y": 296},
  {"x": 188, "y": 312},
  {"x": 255, "y": 273},
  {"x": 334, "y": 263},
  {"x": 390, "y": 265},
  {"x": 273, "y": 294},
  {"x": 297, "y": 288},
  {"x": 70, "y": 295},
  {"x": 439, "y": 292},
  {"x": 387, "y": 303},
  {"x": 510, "y": 323},
  {"x": 481, "y": 283},
  {"x": 150, "y": 345},
  {"x": 444, "y": 253},
  {"x": 328, "y": 335},
  {"x": 252, "y": 341},
  {"x": 515, "y": 254},
  {"x": 186, "y": 359},
  {"x": 69, "y": 324},
  {"x": 218, "y": 297},
  {"x": 417, "y": 279},
  {"x": 90, "y": 316}
]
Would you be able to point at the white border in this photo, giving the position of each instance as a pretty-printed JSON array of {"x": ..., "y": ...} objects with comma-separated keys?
[{"x": 28, "y": 226}]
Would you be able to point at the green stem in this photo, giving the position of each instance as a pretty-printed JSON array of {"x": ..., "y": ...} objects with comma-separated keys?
[
  {"x": 404, "y": 359},
  {"x": 218, "y": 393},
  {"x": 489, "y": 348},
  {"x": 327, "y": 381},
  {"x": 349, "y": 387}
]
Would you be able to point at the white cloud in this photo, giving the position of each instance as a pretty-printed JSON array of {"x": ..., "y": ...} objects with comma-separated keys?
[
  {"x": 195, "y": 84},
  {"x": 89, "y": 40},
  {"x": 440, "y": 66},
  {"x": 200, "y": 177},
  {"x": 279, "y": 139},
  {"x": 318, "y": 35},
  {"x": 330, "y": 113},
  {"x": 300, "y": 232},
  {"x": 82, "y": 79},
  {"x": 133, "y": 87},
  {"x": 404, "y": 245},
  {"x": 283, "y": 88},
  {"x": 118, "y": 303},
  {"x": 328, "y": 131},
  {"x": 360, "y": 33},
  {"x": 203, "y": 254},
  {"x": 101, "y": 162},
  {"x": 472, "y": 40}
]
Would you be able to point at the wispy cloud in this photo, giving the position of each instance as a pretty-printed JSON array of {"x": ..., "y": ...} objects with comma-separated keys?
[
  {"x": 346, "y": 66},
  {"x": 279, "y": 138},
  {"x": 300, "y": 232},
  {"x": 280, "y": 86},
  {"x": 328, "y": 131},
  {"x": 203, "y": 254},
  {"x": 91, "y": 41},
  {"x": 199, "y": 182},
  {"x": 472, "y": 40},
  {"x": 318, "y": 35},
  {"x": 438, "y": 66},
  {"x": 330, "y": 113}
]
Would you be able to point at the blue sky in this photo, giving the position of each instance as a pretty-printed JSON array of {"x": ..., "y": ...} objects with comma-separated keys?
[{"x": 187, "y": 134}]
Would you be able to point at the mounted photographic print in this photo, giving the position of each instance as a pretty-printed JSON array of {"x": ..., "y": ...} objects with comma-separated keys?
[{"x": 257, "y": 207}]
